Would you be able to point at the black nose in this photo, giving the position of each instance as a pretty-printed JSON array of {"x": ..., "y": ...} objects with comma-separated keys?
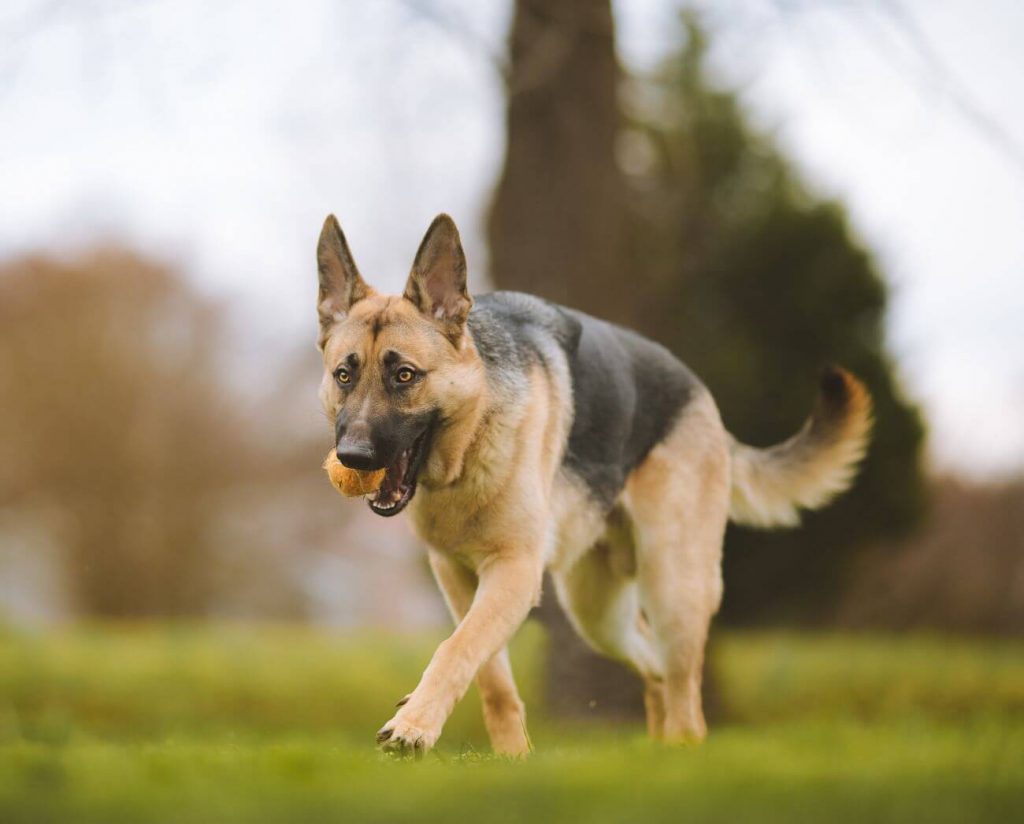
[{"x": 357, "y": 456}]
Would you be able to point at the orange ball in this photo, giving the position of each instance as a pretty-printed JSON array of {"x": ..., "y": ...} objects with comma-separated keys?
[{"x": 351, "y": 482}]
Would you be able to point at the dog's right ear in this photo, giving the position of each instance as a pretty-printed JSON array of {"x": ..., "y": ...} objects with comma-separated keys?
[{"x": 340, "y": 282}]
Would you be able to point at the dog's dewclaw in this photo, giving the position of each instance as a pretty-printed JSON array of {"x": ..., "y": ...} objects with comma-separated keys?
[{"x": 351, "y": 482}]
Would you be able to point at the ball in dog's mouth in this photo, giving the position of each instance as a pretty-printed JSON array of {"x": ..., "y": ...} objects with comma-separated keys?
[
  {"x": 351, "y": 482},
  {"x": 399, "y": 484}
]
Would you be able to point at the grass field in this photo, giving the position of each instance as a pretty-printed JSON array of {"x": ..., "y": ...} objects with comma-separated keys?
[{"x": 208, "y": 724}]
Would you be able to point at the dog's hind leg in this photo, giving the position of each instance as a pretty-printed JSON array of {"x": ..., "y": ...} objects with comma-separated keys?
[
  {"x": 679, "y": 500},
  {"x": 504, "y": 713},
  {"x": 600, "y": 597}
]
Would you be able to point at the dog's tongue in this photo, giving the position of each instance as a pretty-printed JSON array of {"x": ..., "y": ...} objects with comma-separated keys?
[{"x": 391, "y": 487}]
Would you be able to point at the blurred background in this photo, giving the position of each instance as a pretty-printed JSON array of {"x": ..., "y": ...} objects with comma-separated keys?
[{"x": 764, "y": 186}]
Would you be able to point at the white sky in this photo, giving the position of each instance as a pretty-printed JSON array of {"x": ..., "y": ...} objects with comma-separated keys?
[{"x": 220, "y": 135}]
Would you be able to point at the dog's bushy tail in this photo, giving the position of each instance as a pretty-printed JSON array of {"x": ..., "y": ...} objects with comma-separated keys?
[{"x": 770, "y": 486}]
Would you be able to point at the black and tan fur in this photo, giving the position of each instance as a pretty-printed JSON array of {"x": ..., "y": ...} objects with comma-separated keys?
[{"x": 526, "y": 437}]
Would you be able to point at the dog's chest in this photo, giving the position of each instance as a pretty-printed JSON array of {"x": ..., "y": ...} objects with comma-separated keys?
[
  {"x": 468, "y": 524},
  {"x": 468, "y": 516},
  {"x": 449, "y": 519},
  {"x": 473, "y": 509}
]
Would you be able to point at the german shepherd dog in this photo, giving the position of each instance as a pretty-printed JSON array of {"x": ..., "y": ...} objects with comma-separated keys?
[{"x": 524, "y": 436}]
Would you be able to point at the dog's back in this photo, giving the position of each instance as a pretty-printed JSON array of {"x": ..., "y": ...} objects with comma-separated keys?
[{"x": 628, "y": 391}]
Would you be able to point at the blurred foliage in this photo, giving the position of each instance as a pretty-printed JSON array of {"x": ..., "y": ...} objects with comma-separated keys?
[
  {"x": 129, "y": 447},
  {"x": 114, "y": 425},
  {"x": 758, "y": 285},
  {"x": 275, "y": 723}
]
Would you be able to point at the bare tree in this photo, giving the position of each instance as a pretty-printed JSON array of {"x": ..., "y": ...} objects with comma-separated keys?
[{"x": 114, "y": 425}]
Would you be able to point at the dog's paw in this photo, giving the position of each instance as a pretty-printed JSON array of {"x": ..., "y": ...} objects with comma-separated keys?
[{"x": 405, "y": 738}]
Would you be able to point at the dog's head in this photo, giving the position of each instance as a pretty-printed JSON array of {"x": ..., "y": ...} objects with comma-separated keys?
[{"x": 397, "y": 368}]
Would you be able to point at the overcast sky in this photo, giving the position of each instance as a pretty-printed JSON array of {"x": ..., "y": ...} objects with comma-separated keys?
[{"x": 220, "y": 134}]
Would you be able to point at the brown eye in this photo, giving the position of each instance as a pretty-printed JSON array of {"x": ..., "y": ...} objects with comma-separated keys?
[
  {"x": 342, "y": 375},
  {"x": 405, "y": 374}
]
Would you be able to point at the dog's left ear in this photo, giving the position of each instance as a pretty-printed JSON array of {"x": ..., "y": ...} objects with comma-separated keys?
[{"x": 437, "y": 283}]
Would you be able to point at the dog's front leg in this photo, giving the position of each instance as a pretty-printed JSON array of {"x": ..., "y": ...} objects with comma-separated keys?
[
  {"x": 509, "y": 585},
  {"x": 504, "y": 713}
]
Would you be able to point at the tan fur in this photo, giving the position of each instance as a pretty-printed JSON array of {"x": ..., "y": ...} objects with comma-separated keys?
[
  {"x": 496, "y": 506},
  {"x": 770, "y": 486},
  {"x": 679, "y": 500}
]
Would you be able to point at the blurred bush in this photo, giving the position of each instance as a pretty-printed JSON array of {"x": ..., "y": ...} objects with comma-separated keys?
[
  {"x": 154, "y": 460},
  {"x": 116, "y": 432},
  {"x": 757, "y": 283}
]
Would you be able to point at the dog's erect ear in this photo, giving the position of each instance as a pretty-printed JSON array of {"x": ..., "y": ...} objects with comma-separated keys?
[
  {"x": 340, "y": 282},
  {"x": 437, "y": 283}
]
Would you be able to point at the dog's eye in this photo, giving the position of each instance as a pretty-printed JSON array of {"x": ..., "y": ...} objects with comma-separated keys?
[
  {"x": 342, "y": 375},
  {"x": 405, "y": 374}
]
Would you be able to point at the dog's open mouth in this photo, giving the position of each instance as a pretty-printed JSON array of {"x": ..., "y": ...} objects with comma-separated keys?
[{"x": 399, "y": 484}]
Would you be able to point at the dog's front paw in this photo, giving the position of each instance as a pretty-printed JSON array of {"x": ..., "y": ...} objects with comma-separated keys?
[
  {"x": 406, "y": 737},
  {"x": 412, "y": 731}
]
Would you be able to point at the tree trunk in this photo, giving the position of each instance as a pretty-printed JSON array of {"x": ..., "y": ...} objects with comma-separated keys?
[
  {"x": 558, "y": 220},
  {"x": 558, "y": 229}
]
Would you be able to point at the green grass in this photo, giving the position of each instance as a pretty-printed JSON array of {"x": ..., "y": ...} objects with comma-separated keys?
[{"x": 203, "y": 724}]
